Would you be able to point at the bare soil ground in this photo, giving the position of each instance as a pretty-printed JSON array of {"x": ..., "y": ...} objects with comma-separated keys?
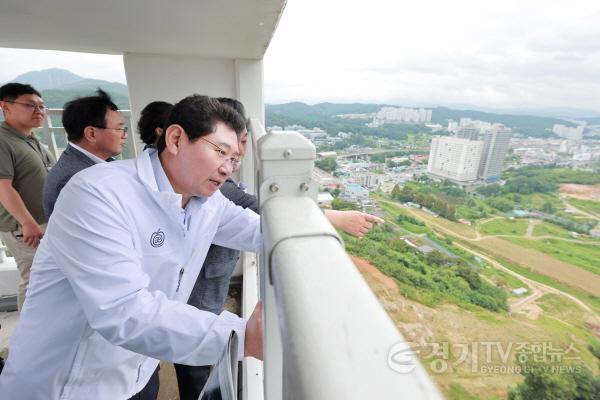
[
  {"x": 583, "y": 192},
  {"x": 449, "y": 323}
]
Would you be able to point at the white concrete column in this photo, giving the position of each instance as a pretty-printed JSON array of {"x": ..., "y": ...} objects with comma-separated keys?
[{"x": 152, "y": 77}]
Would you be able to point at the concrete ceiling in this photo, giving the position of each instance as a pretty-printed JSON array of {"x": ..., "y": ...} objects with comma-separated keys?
[{"x": 210, "y": 28}]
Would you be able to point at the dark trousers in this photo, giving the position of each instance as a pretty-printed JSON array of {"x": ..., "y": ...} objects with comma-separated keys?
[
  {"x": 150, "y": 391},
  {"x": 191, "y": 380}
]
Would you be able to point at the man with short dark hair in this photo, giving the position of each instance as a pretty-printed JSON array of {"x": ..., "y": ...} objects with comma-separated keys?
[
  {"x": 125, "y": 244},
  {"x": 96, "y": 133},
  {"x": 24, "y": 164}
]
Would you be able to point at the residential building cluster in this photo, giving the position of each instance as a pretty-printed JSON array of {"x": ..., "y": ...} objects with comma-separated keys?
[
  {"x": 316, "y": 135},
  {"x": 538, "y": 151},
  {"x": 400, "y": 115},
  {"x": 474, "y": 153},
  {"x": 570, "y": 133}
]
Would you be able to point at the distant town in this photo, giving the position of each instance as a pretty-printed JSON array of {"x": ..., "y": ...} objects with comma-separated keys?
[{"x": 467, "y": 152}]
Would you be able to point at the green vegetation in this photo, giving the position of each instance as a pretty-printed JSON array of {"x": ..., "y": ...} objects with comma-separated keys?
[
  {"x": 324, "y": 116},
  {"x": 585, "y": 256},
  {"x": 411, "y": 224},
  {"x": 559, "y": 308},
  {"x": 526, "y": 124},
  {"x": 594, "y": 348},
  {"x": 549, "y": 229},
  {"x": 535, "y": 189},
  {"x": 587, "y": 298},
  {"x": 502, "y": 226},
  {"x": 502, "y": 279},
  {"x": 431, "y": 279},
  {"x": 340, "y": 204},
  {"x": 327, "y": 164},
  {"x": 590, "y": 206},
  {"x": 554, "y": 176},
  {"x": 416, "y": 194},
  {"x": 555, "y": 381},
  {"x": 457, "y": 392},
  {"x": 403, "y": 219}
]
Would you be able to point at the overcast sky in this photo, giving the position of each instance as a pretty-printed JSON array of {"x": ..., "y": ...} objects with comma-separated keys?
[{"x": 496, "y": 54}]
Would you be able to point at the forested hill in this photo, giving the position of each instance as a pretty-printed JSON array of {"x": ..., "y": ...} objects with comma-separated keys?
[
  {"x": 323, "y": 115},
  {"x": 58, "y": 86}
]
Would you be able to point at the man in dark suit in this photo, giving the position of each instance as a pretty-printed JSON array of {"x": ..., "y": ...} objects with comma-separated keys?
[{"x": 96, "y": 133}]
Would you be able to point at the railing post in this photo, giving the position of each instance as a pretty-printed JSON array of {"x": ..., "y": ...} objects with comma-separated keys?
[
  {"x": 49, "y": 133},
  {"x": 285, "y": 169},
  {"x": 326, "y": 335}
]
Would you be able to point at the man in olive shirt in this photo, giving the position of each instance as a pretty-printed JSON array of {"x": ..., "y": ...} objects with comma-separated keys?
[{"x": 24, "y": 164}]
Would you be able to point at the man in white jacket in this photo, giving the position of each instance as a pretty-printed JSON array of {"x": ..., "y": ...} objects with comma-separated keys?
[{"x": 123, "y": 248}]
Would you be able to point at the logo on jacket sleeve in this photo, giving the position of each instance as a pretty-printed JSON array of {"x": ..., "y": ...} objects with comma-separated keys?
[{"x": 157, "y": 239}]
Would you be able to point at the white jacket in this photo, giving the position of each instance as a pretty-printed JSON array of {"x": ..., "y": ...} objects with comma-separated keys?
[{"x": 109, "y": 283}]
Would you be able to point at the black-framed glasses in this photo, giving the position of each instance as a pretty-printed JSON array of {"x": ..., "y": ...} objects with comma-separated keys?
[
  {"x": 125, "y": 129},
  {"x": 31, "y": 106},
  {"x": 234, "y": 161}
]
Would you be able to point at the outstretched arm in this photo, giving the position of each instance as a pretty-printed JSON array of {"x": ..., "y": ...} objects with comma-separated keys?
[{"x": 353, "y": 222}]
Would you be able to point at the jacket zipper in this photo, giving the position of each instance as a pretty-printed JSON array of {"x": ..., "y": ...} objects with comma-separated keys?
[
  {"x": 179, "y": 280},
  {"x": 138, "y": 373}
]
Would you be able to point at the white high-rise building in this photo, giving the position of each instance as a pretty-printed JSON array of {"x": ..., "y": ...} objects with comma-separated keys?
[
  {"x": 495, "y": 146},
  {"x": 470, "y": 132},
  {"x": 455, "y": 158}
]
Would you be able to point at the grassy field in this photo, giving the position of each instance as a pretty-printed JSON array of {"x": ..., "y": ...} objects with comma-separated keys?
[
  {"x": 540, "y": 262},
  {"x": 394, "y": 211},
  {"x": 516, "y": 227},
  {"x": 457, "y": 227},
  {"x": 525, "y": 253},
  {"x": 537, "y": 200},
  {"x": 539, "y": 266},
  {"x": 586, "y": 256},
  {"x": 592, "y": 207},
  {"x": 548, "y": 229},
  {"x": 556, "y": 305},
  {"x": 502, "y": 279}
]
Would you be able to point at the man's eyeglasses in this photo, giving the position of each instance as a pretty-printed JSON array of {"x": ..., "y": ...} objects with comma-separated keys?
[
  {"x": 235, "y": 161},
  {"x": 30, "y": 106},
  {"x": 121, "y": 128}
]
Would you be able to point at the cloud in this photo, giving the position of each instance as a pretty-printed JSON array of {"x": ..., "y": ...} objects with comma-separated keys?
[
  {"x": 98, "y": 66},
  {"x": 494, "y": 53}
]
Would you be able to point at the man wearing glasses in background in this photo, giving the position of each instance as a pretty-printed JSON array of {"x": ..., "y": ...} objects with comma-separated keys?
[
  {"x": 24, "y": 164},
  {"x": 96, "y": 133}
]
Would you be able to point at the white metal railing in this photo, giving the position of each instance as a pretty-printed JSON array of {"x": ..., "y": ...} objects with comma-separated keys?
[
  {"x": 326, "y": 335},
  {"x": 56, "y": 136}
]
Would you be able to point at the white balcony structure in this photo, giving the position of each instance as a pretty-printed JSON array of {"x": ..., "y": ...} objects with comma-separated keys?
[{"x": 326, "y": 335}]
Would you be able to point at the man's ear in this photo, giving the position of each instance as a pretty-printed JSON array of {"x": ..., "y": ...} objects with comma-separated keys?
[
  {"x": 3, "y": 106},
  {"x": 89, "y": 134},
  {"x": 173, "y": 137}
]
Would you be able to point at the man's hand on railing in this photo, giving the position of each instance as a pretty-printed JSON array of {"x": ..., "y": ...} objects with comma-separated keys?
[
  {"x": 353, "y": 222},
  {"x": 253, "y": 342}
]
